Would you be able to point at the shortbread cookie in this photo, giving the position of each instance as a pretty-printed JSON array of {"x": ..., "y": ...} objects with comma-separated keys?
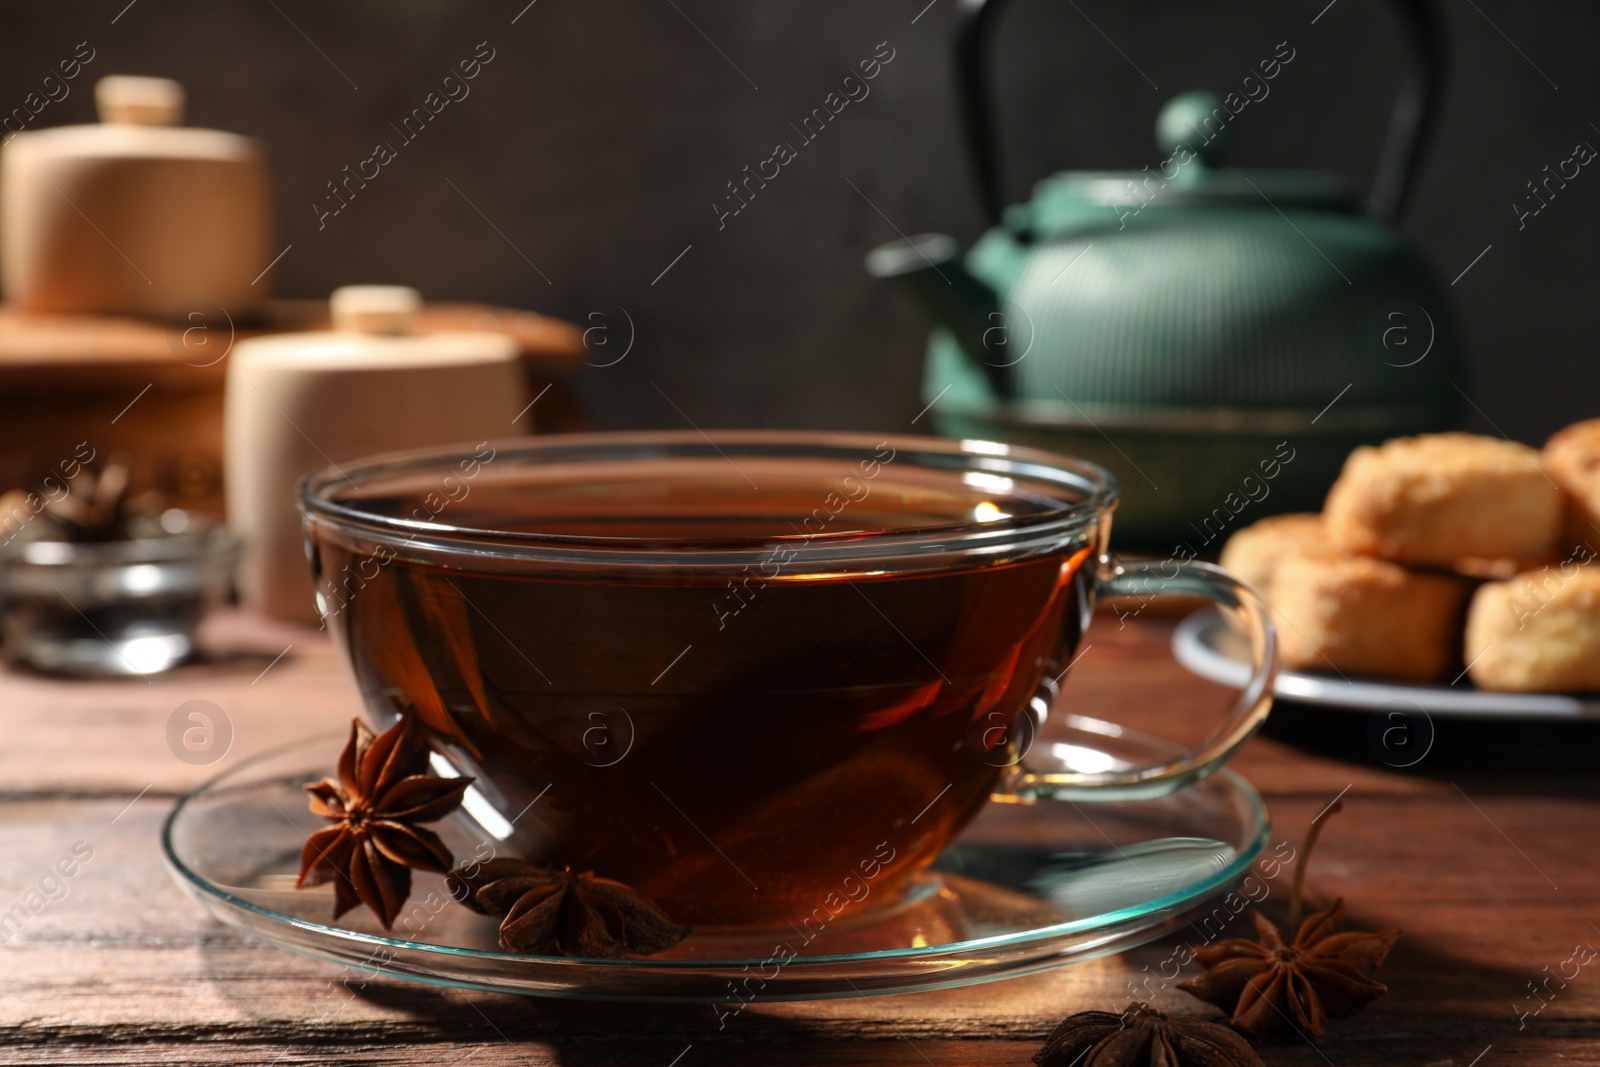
[
  {"x": 1443, "y": 497},
  {"x": 1360, "y": 615},
  {"x": 1538, "y": 633},
  {"x": 1497, "y": 570},
  {"x": 1254, "y": 553},
  {"x": 1572, "y": 458}
]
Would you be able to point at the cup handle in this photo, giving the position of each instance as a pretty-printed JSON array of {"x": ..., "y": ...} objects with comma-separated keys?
[{"x": 1146, "y": 580}]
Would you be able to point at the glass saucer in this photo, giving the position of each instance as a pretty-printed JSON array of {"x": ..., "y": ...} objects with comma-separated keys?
[{"x": 1025, "y": 888}]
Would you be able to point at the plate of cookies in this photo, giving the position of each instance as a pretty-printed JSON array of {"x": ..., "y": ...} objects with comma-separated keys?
[{"x": 1451, "y": 572}]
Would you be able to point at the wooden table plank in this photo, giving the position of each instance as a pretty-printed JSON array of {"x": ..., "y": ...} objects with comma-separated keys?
[
  {"x": 97, "y": 738},
  {"x": 1493, "y": 878},
  {"x": 1124, "y": 674}
]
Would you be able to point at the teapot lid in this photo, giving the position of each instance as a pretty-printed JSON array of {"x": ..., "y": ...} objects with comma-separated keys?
[
  {"x": 1148, "y": 188},
  {"x": 1193, "y": 132}
]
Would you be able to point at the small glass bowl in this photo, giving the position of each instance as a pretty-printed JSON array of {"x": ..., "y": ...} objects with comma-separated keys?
[{"x": 113, "y": 607}]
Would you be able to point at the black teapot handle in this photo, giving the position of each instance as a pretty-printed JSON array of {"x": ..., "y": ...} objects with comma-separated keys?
[{"x": 1410, "y": 122}]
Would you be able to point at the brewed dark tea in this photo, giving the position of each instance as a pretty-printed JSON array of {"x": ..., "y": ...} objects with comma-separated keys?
[{"x": 761, "y": 691}]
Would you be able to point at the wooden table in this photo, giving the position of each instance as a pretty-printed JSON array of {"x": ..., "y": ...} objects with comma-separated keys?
[
  {"x": 1489, "y": 871},
  {"x": 153, "y": 391}
]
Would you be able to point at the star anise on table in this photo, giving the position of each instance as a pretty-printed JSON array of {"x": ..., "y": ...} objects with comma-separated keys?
[
  {"x": 1322, "y": 974},
  {"x": 554, "y": 912},
  {"x": 1139, "y": 1036},
  {"x": 382, "y": 792}
]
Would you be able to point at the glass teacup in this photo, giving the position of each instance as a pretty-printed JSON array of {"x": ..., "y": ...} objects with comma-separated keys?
[{"x": 752, "y": 675}]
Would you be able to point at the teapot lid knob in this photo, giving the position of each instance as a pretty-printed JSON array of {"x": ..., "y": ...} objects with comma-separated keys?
[
  {"x": 128, "y": 99},
  {"x": 1196, "y": 121}
]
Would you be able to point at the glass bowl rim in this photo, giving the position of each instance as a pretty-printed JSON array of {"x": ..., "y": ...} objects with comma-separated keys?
[
  {"x": 205, "y": 537},
  {"x": 317, "y": 492}
]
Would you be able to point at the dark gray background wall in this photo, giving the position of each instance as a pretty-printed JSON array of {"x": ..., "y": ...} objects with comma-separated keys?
[{"x": 594, "y": 144}]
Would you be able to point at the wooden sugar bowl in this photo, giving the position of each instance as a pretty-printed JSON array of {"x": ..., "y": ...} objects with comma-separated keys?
[{"x": 135, "y": 214}]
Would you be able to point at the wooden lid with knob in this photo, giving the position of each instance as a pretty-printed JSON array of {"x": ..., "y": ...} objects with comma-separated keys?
[{"x": 378, "y": 329}]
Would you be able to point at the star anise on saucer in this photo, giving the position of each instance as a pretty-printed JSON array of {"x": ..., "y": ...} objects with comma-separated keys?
[
  {"x": 382, "y": 792},
  {"x": 1322, "y": 974},
  {"x": 556, "y": 912},
  {"x": 1143, "y": 1036}
]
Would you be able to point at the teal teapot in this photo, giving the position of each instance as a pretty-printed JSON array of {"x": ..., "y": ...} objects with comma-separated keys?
[{"x": 1219, "y": 338}]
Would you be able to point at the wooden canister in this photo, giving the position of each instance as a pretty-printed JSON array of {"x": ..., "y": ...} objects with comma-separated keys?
[
  {"x": 135, "y": 214},
  {"x": 297, "y": 402}
]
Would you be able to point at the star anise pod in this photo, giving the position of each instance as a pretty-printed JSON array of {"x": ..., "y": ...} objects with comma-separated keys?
[
  {"x": 551, "y": 912},
  {"x": 1139, "y": 1036},
  {"x": 1323, "y": 974},
  {"x": 95, "y": 506},
  {"x": 381, "y": 793}
]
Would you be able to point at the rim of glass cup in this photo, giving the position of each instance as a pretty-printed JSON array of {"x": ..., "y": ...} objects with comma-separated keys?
[{"x": 1095, "y": 489}]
